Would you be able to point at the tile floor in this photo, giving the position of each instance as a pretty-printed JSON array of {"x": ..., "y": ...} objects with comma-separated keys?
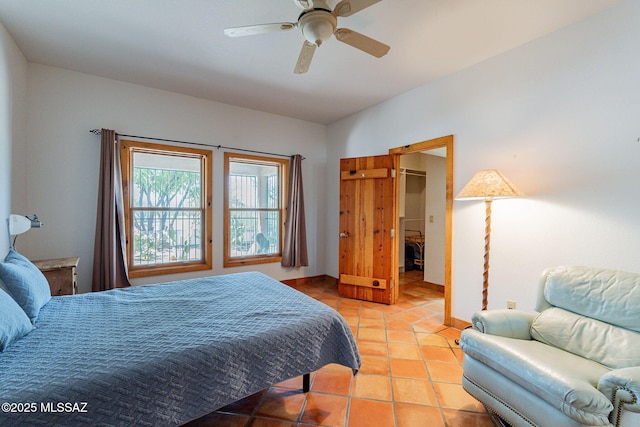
[{"x": 410, "y": 375}]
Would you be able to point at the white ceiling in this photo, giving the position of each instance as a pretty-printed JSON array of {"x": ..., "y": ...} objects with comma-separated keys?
[{"x": 179, "y": 46}]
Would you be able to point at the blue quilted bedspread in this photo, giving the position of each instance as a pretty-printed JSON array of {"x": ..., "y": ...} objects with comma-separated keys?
[{"x": 165, "y": 354}]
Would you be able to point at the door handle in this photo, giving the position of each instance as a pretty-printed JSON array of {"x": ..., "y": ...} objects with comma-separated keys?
[{"x": 344, "y": 234}]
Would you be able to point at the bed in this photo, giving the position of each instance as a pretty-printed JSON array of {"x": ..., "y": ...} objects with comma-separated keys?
[{"x": 165, "y": 354}]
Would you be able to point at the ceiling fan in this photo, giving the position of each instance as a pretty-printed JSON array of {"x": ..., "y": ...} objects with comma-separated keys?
[{"x": 317, "y": 23}]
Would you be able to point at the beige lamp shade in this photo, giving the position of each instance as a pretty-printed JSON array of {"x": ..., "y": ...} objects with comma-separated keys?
[{"x": 488, "y": 184}]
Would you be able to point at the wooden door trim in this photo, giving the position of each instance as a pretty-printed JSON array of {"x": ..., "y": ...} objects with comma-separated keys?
[{"x": 444, "y": 141}]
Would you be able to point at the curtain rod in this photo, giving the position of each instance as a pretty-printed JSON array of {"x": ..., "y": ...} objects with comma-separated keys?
[{"x": 99, "y": 132}]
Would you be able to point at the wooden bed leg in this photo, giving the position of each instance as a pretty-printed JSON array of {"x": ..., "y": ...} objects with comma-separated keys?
[{"x": 306, "y": 383}]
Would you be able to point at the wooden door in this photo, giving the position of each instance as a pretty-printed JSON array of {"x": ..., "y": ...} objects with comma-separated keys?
[{"x": 368, "y": 259}]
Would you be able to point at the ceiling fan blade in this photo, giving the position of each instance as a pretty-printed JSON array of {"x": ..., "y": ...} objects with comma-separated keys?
[
  {"x": 251, "y": 30},
  {"x": 349, "y": 7},
  {"x": 304, "y": 60},
  {"x": 362, "y": 42}
]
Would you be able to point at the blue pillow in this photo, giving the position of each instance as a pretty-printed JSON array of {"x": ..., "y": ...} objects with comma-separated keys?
[
  {"x": 14, "y": 323},
  {"x": 26, "y": 284}
]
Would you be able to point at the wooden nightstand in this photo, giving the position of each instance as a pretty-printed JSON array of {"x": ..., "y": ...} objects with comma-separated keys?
[{"x": 61, "y": 273}]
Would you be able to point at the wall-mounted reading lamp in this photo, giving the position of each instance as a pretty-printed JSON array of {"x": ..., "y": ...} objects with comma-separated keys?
[{"x": 18, "y": 224}]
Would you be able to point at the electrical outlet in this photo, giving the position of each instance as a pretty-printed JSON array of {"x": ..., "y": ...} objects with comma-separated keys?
[{"x": 511, "y": 305}]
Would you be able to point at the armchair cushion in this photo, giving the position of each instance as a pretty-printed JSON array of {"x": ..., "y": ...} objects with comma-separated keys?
[
  {"x": 607, "y": 295},
  {"x": 609, "y": 345}
]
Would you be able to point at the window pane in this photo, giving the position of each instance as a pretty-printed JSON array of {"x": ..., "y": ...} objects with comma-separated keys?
[
  {"x": 243, "y": 191},
  {"x": 165, "y": 236},
  {"x": 254, "y": 185},
  {"x": 166, "y": 181},
  {"x": 254, "y": 232},
  {"x": 171, "y": 232}
]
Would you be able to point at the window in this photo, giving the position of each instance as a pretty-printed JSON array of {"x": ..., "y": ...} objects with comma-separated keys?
[
  {"x": 255, "y": 194},
  {"x": 167, "y": 203}
]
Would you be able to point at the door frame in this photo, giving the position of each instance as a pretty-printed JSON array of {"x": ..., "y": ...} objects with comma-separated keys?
[{"x": 444, "y": 141}]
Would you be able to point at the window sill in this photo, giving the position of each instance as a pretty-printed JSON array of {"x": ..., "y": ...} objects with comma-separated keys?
[
  {"x": 239, "y": 262},
  {"x": 166, "y": 269}
]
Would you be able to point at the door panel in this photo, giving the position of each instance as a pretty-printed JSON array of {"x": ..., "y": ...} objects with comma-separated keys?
[{"x": 367, "y": 218}]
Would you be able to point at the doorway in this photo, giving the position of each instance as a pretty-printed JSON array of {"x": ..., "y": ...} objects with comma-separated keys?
[{"x": 431, "y": 221}]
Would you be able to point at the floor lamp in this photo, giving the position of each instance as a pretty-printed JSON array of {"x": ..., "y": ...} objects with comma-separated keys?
[{"x": 488, "y": 185}]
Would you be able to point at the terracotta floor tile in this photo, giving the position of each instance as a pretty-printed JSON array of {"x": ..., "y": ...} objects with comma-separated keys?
[
  {"x": 373, "y": 348},
  {"x": 369, "y": 313},
  {"x": 372, "y": 387},
  {"x": 389, "y": 310},
  {"x": 326, "y": 410},
  {"x": 401, "y": 336},
  {"x": 420, "y": 392},
  {"x": 352, "y": 320},
  {"x": 423, "y": 313},
  {"x": 282, "y": 404},
  {"x": 405, "y": 368},
  {"x": 405, "y": 305},
  {"x": 349, "y": 311},
  {"x": 432, "y": 339},
  {"x": 429, "y": 326},
  {"x": 416, "y": 415},
  {"x": 331, "y": 381},
  {"x": 407, "y": 316},
  {"x": 369, "y": 413},
  {"x": 370, "y": 334},
  {"x": 352, "y": 303},
  {"x": 398, "y": 325},
  {"x": 330, "y": 302},
  {"x": 375, "y": 365},
  {"x": 451, "y": 333},
  {"x": 438, "y": 354},
  {"x": 336, "y": 367},
  {"x": 366, "y": 322},
  {"x": 445, "y": 372},
  {"x": 453, "y": 396},
  {"x": 404, "y": 351}
]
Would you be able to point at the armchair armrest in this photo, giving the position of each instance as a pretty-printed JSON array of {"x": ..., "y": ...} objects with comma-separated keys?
[
  {"x": 622, "y": 386},
  {"x": 506, "y": 323}
]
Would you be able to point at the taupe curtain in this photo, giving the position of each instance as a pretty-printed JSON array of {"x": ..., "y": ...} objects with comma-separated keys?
[
  {"x": 109, "y": 260},
  {"x": 294, "y": 251}
]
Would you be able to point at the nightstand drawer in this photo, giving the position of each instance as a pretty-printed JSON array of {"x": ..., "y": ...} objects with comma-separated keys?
[{"x": 61, "y": 274}]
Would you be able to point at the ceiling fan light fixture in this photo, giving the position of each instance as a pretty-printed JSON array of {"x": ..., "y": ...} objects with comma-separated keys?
[
  {"x": 318, "y": 26},
  {"x": 318, "y": 23}
]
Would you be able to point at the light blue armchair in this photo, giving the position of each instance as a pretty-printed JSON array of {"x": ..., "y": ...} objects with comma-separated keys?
[{"x": 575, "y": 363}]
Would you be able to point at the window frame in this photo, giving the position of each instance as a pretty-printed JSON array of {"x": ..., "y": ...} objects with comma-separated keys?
[
  {"x": 228, "y": 260},
  {"x": 129, "y": 147}
]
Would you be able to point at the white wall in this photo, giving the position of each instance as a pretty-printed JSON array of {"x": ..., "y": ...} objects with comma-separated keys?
[
  {"x": 13, "y": 87},
  {"x": 559, "y": 117},
  {"x": 62, "y": 167}
]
